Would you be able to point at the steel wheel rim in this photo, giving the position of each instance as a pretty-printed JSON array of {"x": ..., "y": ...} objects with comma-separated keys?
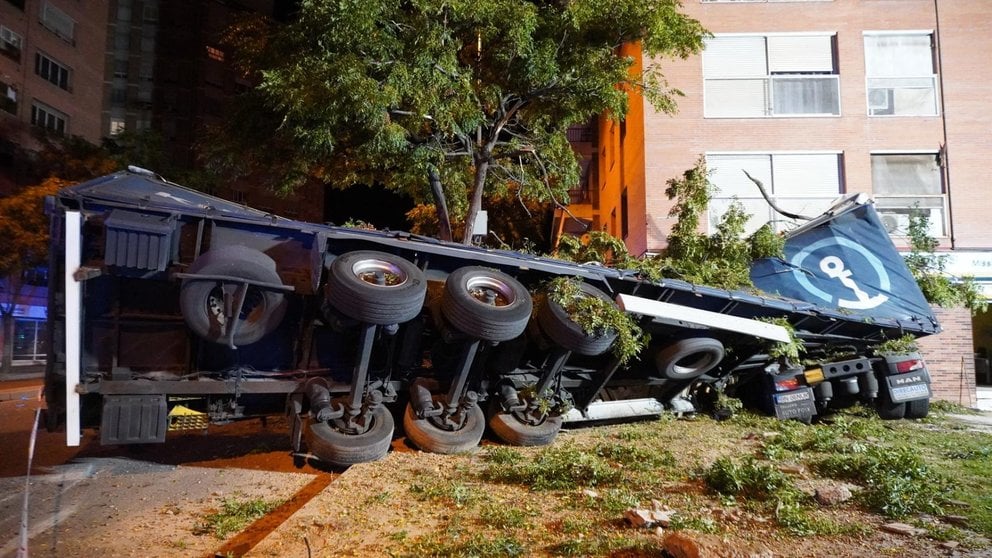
[
  {"x": 490, "y": 291},
  {"x": 379, "y": 273}
]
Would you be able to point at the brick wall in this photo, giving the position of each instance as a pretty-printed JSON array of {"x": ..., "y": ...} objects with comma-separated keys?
[{"x": 950, "y": 357}]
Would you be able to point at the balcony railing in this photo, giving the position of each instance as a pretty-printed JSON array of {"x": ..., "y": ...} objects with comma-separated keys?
[{"x": 777, "y": 95}]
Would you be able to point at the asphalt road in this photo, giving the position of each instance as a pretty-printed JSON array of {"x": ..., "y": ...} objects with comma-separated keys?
[{"x": 146, "y": 501}]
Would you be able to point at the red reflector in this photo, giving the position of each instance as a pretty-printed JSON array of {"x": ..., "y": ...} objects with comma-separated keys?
[
  {"x": 909, "y": 365},
  {"x": 785, "y": 385}
]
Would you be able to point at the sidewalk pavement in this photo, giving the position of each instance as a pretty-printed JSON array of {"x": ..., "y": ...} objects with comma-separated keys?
[{"x": 29, "y": 389}]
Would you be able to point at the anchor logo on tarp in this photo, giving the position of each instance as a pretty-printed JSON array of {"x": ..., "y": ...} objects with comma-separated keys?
[{"x": 838, "y": 270}]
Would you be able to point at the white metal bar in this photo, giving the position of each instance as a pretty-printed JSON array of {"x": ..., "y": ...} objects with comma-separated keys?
[
  {"x": 668, "y": 311},
  {"x": 73, "y": 324},
  {"x": 607, "y": 410}
]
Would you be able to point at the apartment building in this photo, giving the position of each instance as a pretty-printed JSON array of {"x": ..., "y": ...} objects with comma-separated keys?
[
  {"x": 51, "y": 68},
  {"x": 819, "y": 98}
]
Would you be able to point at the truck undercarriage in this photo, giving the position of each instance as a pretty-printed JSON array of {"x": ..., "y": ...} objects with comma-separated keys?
[{"x": 171, "y": 309}]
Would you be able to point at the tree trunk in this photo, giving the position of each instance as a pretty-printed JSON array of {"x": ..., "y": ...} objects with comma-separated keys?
[
  {"x": 475, "y": 204},
  {"x": 440, "y": 205},
  {"x": 7, "y": 361}
]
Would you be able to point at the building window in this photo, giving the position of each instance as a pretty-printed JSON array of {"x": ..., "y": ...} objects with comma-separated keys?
[
  {"x": 121, "y": 69},
  {"x": 901, "y": 76},
  {"x": 624, "y": 210},
  {"x": 118, "y": 95},
  {"x": 770, "y": 75},
  {"x": 215, "y": 54},
  {"x": 48, "y": 118},
  {"x": 51, "y": 70},
  {"x": 907, "y": 182},
  {"x": 116, "y": 126},
  {"x": 10, "y": 44},
  {"x": 58, "y": 22},
  {"x": 8, "y": 98},
  {"x": 30, "y": 341},
  {"x": 803, "y": 183}
]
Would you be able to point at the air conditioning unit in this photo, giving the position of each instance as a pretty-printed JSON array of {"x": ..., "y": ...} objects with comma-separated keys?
[
  {"x": 896, "y": 223},
  {"x": 880, "y": 101}
]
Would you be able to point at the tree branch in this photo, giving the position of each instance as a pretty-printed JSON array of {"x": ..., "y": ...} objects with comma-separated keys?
[{"x": 764, "y": 194}]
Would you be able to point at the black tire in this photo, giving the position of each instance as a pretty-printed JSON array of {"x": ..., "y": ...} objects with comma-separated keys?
[
  {"x": 559, "y": 327},
  {"x": 342, "y": 449},
  {"x": 425, "y": 435},
  {"x": 263, "y": 309},
  {"x": 353, "y": 291},
  {"x": 502, "y": 319},
  {"x": 887, "y": 410},
  {"x": 511, "y": 430},
  {"x": 689, "y": 358},
  {"x": 918, "y": 409}
]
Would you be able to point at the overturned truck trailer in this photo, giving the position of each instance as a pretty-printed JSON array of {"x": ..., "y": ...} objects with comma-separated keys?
[{"x": 170, "y": 309}]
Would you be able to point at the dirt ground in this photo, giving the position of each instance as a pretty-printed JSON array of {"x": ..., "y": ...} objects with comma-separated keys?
[{"x": 97, "y": 501}]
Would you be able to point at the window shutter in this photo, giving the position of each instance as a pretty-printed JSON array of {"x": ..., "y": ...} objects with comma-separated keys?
[
  {"x": 728, "y": 176},
  {"x": 802, "y": 175},
  {"x": 805, "y": 53},
  {"x": 727, "y": 57},
  {"x": 898, "y": 55}
]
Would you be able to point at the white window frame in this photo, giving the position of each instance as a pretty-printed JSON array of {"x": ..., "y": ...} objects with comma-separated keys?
[
  {"x": 879, "y": 107},
  {"x": 896, "y": 217},
  {"x": 58, "y": 22},
  {"x": 817, "y": 201},
  {"x": 10, "y": 39},
  {"x": 768, "y": 77},
  {"x": 53, "y": 66},
  {"x": 40, "y": 110}
]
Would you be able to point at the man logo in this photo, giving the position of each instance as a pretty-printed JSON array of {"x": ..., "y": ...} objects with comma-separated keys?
[{"x": 836, "y": 271}]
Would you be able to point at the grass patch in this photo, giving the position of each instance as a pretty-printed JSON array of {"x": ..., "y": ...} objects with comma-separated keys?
[
  {"x": 235, "y": 514},
  {"x": 897, "y": 481},
  {"x": 502, "y": 517},
  {"x": 477, "y": 545},
  {"x": 555, "y": 468}
]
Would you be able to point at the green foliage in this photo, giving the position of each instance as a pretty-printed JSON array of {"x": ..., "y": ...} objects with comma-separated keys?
[
  {"x": 235, "y": 514},
  {"x": 928, "y": 268},
  {"x": 898, "y": 346},
  {"x": 477, "y": 545},
  {"x": 790, "y": 350},
  {"x": 555, "y": 468},
  {"x": 596, "y": 316},
  {"x": 502, "y": 516},
  {"x": 746, "y": 478},
  {"x": 722, "y": 259},
  {"x": 480, "y": 92},
  {"x": 635, "y": 457},
  {"x": 898, "y": 481}
]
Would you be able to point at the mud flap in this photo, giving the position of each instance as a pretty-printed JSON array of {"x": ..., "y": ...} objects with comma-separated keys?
[{"x": 133, "y": 419}]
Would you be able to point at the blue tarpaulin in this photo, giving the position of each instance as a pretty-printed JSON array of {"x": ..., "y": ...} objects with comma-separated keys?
[{"x": 846, "y": 260}]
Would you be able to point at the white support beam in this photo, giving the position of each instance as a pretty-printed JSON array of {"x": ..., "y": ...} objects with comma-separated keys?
[
  {"x": 695, "y": 316},
  {"x": 73, "y": 324}
]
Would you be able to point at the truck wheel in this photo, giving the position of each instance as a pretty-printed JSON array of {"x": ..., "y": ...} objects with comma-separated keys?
[
  {"x": 376, "y": 287},
  {"x": 558, "y": 325},
  {"x": 486, "y": 304},
  {"x": 918, "y": 409},
  {"x": 343, "y": 449},
  {"x": 689, "y": 358},
  {"x": 510, "y": 429},
  {"x": 887, "y": 410},
  {"x": 202, "y": 301},
  {"x": 427, "y": 436}
]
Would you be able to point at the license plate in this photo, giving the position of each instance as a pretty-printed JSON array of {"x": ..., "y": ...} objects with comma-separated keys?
[
  {"x": 909, "y": 393},
  {"x": 794, "y": 404},
  {"x": 791, "y": 397},
  {"x": 909, "y": 387}
]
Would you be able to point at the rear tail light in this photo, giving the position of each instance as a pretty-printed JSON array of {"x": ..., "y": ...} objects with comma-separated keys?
[
  {"x": 787, "y": 384},
  {"x": 909, "y": 365}
]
